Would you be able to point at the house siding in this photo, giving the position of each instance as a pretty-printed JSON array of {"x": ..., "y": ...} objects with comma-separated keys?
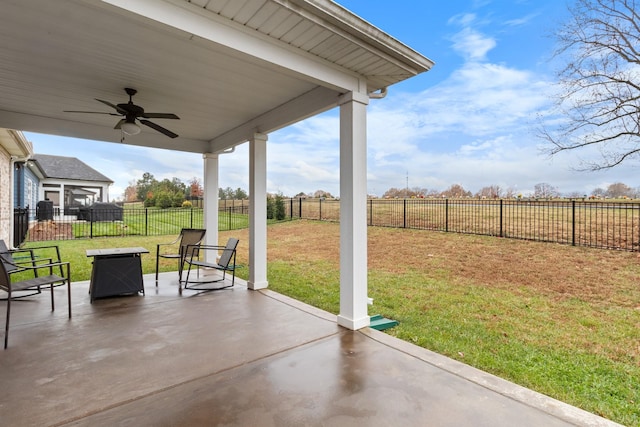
[
  {"x": 5, "y": 195},
  {"x": 25, "y": 189}
]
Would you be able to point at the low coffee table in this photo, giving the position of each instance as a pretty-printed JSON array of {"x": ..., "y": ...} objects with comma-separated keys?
[{"x": 116, "y": 271}]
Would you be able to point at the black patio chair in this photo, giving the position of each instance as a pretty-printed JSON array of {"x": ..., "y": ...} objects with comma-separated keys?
[
  {"x": 34, "y": 283},
  {"x": 225, "y": 263},
  {"x": 16, "y": 262},
  {"x": 188, "y": 237}
]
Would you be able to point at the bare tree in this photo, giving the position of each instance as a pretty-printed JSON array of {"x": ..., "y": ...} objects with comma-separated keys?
[
  {"x": 619, "y": 190},
  {"x": 318, "y": 194},
  {"x": 195, "y": 188},
  {"x": 598, "y": 192},
  {"x": 600, "y": 83},
  {"x": 455, "y": 191},
  {"x": 545, "y": 191},
  {"x": 510, "y": 193},
  {"x": 131, "y": 192},
  {"x": 490, "y": 192}
]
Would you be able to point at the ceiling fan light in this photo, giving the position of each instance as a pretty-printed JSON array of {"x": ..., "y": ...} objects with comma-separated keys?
[{"x": 130, "y": 128}]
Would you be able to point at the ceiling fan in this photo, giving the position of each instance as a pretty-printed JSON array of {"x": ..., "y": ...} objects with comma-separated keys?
[{"x": 132, "y": 112}]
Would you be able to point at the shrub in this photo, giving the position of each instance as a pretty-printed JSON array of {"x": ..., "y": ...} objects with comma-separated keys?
[
  {"x": 271, "y": 208},
  {"x": 280, "y": 212},
  {"x": 163, "y": 200}
]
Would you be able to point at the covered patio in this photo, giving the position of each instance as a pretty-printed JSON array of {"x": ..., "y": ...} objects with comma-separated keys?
[
  {"x": 232, "y": 71},
  {"x": 243, "y": 358}
]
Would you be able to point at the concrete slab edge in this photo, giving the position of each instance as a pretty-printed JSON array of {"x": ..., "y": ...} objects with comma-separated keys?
[
  {"x": 325, "y": 315},
  {"x": 549, "y": 405}
]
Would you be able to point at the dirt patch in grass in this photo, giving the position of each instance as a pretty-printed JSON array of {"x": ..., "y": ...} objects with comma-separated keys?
[
  {"x": 50, "y": 230},
  {"x": 557, "y": 271}
]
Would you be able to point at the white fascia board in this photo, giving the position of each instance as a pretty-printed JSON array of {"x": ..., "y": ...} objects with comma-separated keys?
[
  {"x": 74, "y": 182},
  {"x": 214, "y": 28},
  {"x": 15, "y": 143},
  {"x": 359, "y": 32}
]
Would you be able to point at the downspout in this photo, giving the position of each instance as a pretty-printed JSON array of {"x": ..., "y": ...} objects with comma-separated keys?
[{"x": 376, "y": 94}]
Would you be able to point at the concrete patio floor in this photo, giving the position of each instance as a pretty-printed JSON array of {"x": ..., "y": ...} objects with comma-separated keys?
[{"x": 237, "y": 357}]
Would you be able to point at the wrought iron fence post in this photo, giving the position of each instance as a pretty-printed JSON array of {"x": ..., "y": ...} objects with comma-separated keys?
[
  {"x": 404, "y": 213},
  {"x": 91, "y": 223},
  {"x": 230, "y": 210},
  {"x": 300, "y": 207},
  {"x": 446, "y": 215},
  {"x": 501, "y": 217},
  {"x": 146, "y": 221},
  {"x": 370, "y": 211},
  {"x": 191, "y": 217},
  {"x": 573, "y": 223},
  {"x": 320, "y": 209}
]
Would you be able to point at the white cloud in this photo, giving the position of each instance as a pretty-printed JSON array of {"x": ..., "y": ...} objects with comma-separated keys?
[{"x": 473, "y": 45}]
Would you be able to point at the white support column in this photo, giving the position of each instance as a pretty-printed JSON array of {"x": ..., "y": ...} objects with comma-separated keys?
[
  {"x": 258, "y": 212},
  {"x": 104, "y": 196},
  {"x": 61, "y": 201},
  {"x": 211, "y": 200},
  {"x": 353, "y": 211}
]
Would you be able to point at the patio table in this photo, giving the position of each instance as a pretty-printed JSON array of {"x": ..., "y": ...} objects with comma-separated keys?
[{"x": 116, "y": 271}]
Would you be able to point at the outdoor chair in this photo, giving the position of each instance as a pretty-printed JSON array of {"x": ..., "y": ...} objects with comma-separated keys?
[
  {"x": 188, "y": 237},
  {"x": 16, "y": 261},
  {"x": 32, "y": 281},
  {"x": 225, "y": 263},
  {"x": 12, "y": 264}
]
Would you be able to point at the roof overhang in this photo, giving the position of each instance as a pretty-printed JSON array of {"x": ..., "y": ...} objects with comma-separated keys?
[
  {"x": 227, "y": 68},
  {"x": 15, "y": 143}
]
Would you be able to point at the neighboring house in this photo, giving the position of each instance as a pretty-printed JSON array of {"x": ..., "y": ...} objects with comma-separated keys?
[
  {"x": 66, "y": 181},
  {"x": 14, "y": 148}
]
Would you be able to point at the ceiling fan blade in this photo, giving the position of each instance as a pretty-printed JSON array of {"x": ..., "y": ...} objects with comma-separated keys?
[
  {"x": 91, "y": 112},
  {"x": 159, "y": 116},
  {"x": 159, "y": 128},
  {"x": 119, "y": 124},
  {"x": 115, "y": 107}
]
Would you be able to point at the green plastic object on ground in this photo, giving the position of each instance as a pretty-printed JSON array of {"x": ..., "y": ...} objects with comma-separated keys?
[{"x": 380, "y": 323}]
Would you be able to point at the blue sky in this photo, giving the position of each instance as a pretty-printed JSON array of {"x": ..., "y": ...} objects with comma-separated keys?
[{"x": 470, "y": 120}]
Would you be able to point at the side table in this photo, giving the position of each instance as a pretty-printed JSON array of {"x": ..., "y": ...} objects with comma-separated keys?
[{"x": 116, "y": 271}]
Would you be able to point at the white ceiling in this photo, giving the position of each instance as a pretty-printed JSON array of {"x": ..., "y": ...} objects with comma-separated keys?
[{"x": 227, "y": 68}]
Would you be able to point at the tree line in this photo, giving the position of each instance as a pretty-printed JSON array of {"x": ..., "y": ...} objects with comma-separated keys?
[
  {"x": 175, "y": 193},
  {"x": 166, "y": 193},
  {"x": 541, "y": 190}
]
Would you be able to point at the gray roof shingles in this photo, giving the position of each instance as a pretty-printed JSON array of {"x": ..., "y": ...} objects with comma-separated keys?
[{"x": 61, "y": 167}]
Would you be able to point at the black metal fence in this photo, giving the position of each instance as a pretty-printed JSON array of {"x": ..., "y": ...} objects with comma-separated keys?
[
  {"x": 599, "y": 224},
  {"x": 20, "y": 225},
  {"x": 130, "y": 222}
]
